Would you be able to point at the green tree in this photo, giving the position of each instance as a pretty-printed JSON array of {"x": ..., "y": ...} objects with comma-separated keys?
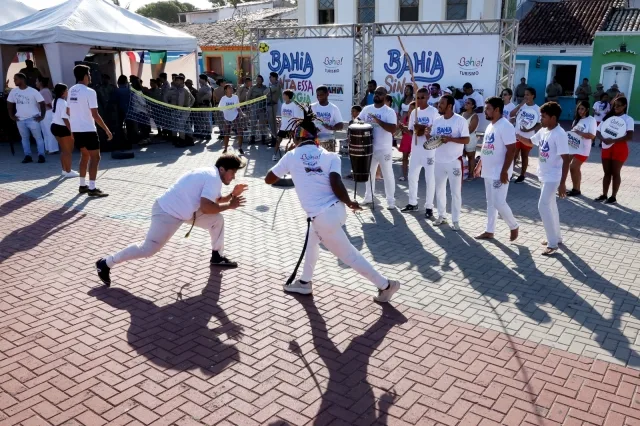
[
  {"x": 234, "y": 3},
  {"x": 166, "y": 11}
]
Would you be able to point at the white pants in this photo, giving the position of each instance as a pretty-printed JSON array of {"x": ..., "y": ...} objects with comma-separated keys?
[
  {"x": 326, "y": 228},
  {"x": 50, "y": 142},
  {"x": 548, "y": 209},
  {"x": 417, "y": 162},
  {"x": 163, "y": 226},
  {"x": 384, "y": 159},
  {"x": 453, "y": 173},
  {"x": 497, "y": 203}
]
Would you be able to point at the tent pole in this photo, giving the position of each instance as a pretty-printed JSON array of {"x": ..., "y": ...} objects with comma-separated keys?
[{"x": 120, "y": 60}]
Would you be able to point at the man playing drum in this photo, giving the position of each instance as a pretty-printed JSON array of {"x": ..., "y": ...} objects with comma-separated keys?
[
  {"x": 329, "y": 118},
  {"x": 319, "y": 186}
]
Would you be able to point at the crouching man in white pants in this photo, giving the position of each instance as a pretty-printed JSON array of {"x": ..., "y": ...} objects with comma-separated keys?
[
  {"x": 553, "y": 167},
  {"x": 385, "y": 122},
  {"x": 422, "y": 117},
  {"x": 454, "y": 131},
  {"x": 318, "y": 184},
  {"x": 195, "y": 199},
  {"x": 496, "y": 167}
]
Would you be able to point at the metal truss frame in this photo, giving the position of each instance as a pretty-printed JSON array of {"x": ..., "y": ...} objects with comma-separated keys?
[{"x": 364, "y": 37}]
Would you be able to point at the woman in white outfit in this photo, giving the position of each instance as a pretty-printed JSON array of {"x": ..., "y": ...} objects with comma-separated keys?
[
  {"x": 584, "y": 127},
  {"x": 472, "y": 121},
  {"x": 61, "y": 129},
  {"x": 50, "y": 143}
]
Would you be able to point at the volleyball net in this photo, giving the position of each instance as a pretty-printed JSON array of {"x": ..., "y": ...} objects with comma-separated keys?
[{"x": 248, "y": 118}]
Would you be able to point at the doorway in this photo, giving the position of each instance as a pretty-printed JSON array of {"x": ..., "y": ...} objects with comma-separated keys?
[{"x": 620, "y": 74}]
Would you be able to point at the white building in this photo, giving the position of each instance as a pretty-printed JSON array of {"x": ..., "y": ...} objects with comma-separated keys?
[
  {"x": 225, "y": 12},
  {"x": 320, "y": 12}
]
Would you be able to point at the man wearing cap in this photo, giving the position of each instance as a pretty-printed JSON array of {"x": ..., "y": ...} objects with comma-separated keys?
[
  {"x": 613, "y": 91},
  {"x": 598, "y": 93}
]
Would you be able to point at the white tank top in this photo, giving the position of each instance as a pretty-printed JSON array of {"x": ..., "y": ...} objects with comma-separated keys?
[{"x": 472, "y": 136}]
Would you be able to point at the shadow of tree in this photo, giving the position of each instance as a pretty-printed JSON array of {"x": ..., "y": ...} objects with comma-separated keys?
[{"x": 177, "y": 335}]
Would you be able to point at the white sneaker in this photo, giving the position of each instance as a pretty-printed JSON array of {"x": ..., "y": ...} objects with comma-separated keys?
[
  {"x": 392, "y": 207},
  {"x": 63, "y": 174},
  {"x": 384, "y": 296},
  {"x": 440, "y": 221},
  {"x": 455, "y": 226},
  {"x": 274, "y": 158},
  {"x": 365, "y": 202},
  {"x": 72, "y": 174},
  {"x": 298, "y": 287}
]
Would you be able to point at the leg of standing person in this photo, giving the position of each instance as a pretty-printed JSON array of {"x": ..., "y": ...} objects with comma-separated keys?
[
  {"x": 371, "y": 183},
  {"x": 405, "y": 165},
  {"x": 492, "y": 212},
  {"x": 430, "y": 177},
  {"x": 616, "y": 178},
  {"x": 455, "y": 187},
  {"x": 66, "y": 150},
  {"x": 82, "y": 168},
  {"x": 441, "y": 176},
  {"x": 36, "y": 131},
  {"x": 415, "y": 166},
  {"x": 607, "y": 167},
  {"x": 25, "y": 138},
  {"x": 386, "y": 165},
  {"x": 214, "y": 223},
  {"x": 548, "y": 209},
  {"x": 239, "y": 132},
  {"x": 50, "y": 142}
]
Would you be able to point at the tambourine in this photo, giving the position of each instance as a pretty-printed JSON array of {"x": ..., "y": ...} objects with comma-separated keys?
[
  {"x": 527, "y": 118},
  {"x": 574, "y": 140},
  {"x": 433, "y": 143},
  {"x": 613, "y": 128}
]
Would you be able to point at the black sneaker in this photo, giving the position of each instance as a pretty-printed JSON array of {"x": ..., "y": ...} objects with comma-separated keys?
[
  {"x": 429, "y": 214},
  {"x": 83, "y": 189},
  {"x": 252, "y": 141},
  {"x": 224, "y": 151},
  {"x": 217, "y": 260},
  {"x": 611, "y": 200},
  {"x": 240, "y": 151},
  {"x": 409, "y": 208},
  {"x": 600, "y": 198},
  {"x": 103, "y": 272},
  {"x": 27, "y": 159},
  {"x": 96, "y": 193},
  {"x": 41, "y": 159},
  {"x": 520, "y": 179},
  {"x": 574, "y": 193}
]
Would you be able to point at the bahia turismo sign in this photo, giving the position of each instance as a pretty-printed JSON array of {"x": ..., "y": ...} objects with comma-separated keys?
[
  {"x": 304, "y": 64},
  {"x": 449, "y": 60}
]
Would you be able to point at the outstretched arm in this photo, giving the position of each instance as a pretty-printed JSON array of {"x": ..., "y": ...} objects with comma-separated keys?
[{"x": 341, "y": 192}]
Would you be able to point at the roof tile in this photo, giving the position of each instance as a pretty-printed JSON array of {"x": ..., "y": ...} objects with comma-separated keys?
[{"x": 624, "y": 20}]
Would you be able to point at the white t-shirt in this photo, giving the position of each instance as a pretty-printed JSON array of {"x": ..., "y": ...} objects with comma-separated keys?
[
  {"x": 60, "y": 113},
  {"x": 182, "y": 199},
  {"x": 310, "y": 166},
  {"x": 329, "y": 113},
  {"x": 507, "y": 110},
  {"x": 27, "y": 102},
  {"x": 600, "y": 109},
  {"x": 476, "y": 97},
  {"x": 627, "y": 120},
  {"x": 231, "y": 113},
  {"x": 455, "y": 127},
  {"x": 288, "y": 112},
  {"x": 530, "y": 111},
  {"x": 494, "y": 148},
  {"x": 81, "y": 101},
  {"x": 434, "y": 102},
  {"x": 426, "y": 117},
  {"x": 382, "y": 140},
  {"x": 552, "y": 144},
  {"x": 582, "y": 146}
]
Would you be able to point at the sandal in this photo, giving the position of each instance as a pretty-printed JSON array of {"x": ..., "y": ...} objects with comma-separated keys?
[{"x": 550, "y": 251}]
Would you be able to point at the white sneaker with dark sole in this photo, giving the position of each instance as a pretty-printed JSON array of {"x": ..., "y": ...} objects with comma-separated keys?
[
  {"x": 440, "y": 221},
  {"x": 299, "y": 287},
  {"x": 384, "y": 296}
]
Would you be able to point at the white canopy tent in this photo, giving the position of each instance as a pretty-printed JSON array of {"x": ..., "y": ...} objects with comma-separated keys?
[
  {"x": 12, "y": 10},
  {"x": 68, "y": 31}
]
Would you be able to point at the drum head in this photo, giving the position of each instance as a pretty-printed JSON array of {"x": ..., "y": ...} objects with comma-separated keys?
[
  {"x": 574, "y": 140},
  {"x": 527, "y": 118},
  {"x": 360, "y": 126},
  {"x": 613, "y": 128}
]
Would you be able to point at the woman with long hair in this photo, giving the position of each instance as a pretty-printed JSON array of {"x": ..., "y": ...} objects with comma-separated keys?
[
  {"x": 585, "y": 127},
  {"x": 615, "y": 151},
  {"x": 407, "y": 98},
  {"x": 472, "y": 121},
  {"x": 50, "y": 144},
  {"x": 405, "y": 142},
  {"x": 61, "y": 129}
]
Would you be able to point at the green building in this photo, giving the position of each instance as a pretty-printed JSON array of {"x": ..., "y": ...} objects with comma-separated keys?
[{"x": 616, "y": 56}]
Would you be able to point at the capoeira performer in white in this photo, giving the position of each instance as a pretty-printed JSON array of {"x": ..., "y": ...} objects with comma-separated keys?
[
  {"x": 420, "y": 157},
  {"x": 384, "y": 121},
  {"x": 318, "y": 183},
  {"x": 496, "y": 167},
  {"x": 195, "y": 199},
  {"x": 454, "y": 131}
]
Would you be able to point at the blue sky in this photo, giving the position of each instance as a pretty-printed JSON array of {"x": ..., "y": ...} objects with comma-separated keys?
[{"x": 135, "y": 4}]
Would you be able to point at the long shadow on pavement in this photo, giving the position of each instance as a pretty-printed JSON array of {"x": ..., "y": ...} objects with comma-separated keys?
[
  {"x": 26, "y": 198},
  {"x": 528, "y": 284},
  {"x": 177, "y": 335},
  {"x": 347, "y": 388}
]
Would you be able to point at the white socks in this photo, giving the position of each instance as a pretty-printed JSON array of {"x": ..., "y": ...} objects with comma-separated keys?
[
  {"x": 92, "y": 184},
  {"x": 82, "y": 182}
]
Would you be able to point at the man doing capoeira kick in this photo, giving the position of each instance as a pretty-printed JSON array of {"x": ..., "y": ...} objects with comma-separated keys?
[
  {"x": 318, "y": 182},
  {"x": 195, "y": 199}
]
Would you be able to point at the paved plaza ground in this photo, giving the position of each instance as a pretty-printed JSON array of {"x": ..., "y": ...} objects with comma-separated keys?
[{"x": 480, "y": 332}]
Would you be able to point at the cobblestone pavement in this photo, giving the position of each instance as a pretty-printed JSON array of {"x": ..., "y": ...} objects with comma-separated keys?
[{"x": 480, "y": 333}]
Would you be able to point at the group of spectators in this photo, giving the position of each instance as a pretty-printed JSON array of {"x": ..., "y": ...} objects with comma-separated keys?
[{"x": 583, "y": 92}]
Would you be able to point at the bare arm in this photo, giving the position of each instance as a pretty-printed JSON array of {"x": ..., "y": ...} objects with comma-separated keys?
[
  {"x": 43, "y": 111},
  {"x": 341, "y": 192},
  {"x": 584, "y": 134},
  {"x": 625, "y": 138},
  {"x": 12, "y": 111},
  {"x": 96, "y": 116},
  {"x": 515, "y": 111},
  {"x": 524, "y": 140},
  {"x": 223, "y": 203},
  {"x": 474, "y": 124},
  {"x": 271, "y": 178}
]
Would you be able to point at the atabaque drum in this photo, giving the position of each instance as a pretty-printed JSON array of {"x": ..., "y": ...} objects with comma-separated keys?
[{"x": 360, "y": 150}]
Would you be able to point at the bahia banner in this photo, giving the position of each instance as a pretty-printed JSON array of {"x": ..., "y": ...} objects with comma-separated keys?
[
  {"x": 304, "y": 64},
  {"x": 449, "y": 60}
]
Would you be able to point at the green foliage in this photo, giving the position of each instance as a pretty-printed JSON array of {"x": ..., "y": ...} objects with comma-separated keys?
[{"x": 166, "y": 11}]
